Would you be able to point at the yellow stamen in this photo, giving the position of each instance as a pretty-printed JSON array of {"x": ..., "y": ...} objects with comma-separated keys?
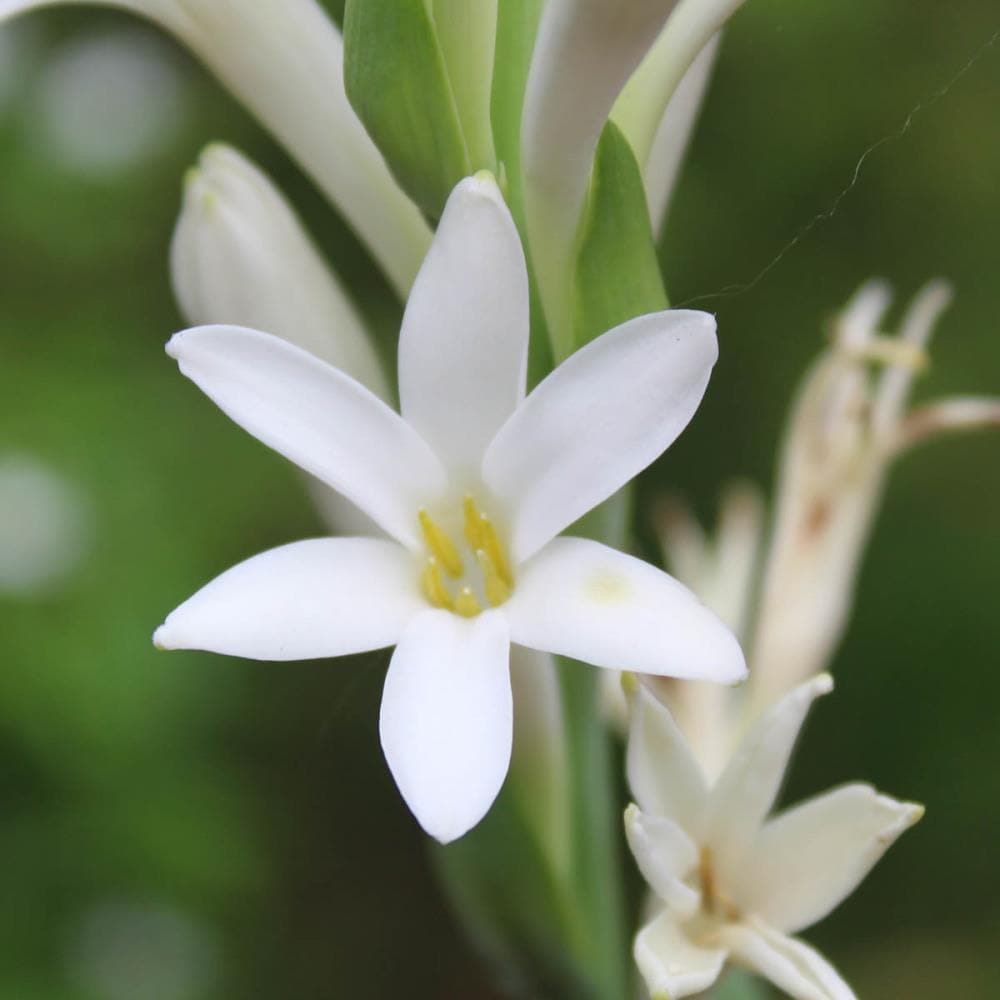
[
  {"x": 433, "y": 586},
  {"x": 497, "y": 590},
  {"x": 473, "y": 534},
  {"x": 490, "y": 544},
  {"x": 466, "y": 603},
  {"x": 440, "y": 544}
]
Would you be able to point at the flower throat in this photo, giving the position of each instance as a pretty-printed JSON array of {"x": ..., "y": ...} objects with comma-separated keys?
[{"x": 445, "y": 561}]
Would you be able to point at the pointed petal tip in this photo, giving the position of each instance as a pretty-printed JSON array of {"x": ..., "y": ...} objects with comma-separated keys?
[
  {"x": 160, "y": 640},
  {"x": 481, "y": 184}
]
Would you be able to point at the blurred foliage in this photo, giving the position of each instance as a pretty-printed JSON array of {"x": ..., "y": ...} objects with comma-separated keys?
[{"x": 190, "y": 827}]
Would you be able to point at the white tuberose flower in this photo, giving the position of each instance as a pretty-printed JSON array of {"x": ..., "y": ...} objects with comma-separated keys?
[
  {"x": 734, "y": 883},
  {"x": 473, "y": 482}
]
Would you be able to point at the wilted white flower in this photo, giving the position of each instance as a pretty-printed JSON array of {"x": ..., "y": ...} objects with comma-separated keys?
[
  {"x": 472, "y": 484},
  {"x": 843, "y": 434},
  {"x": 731, "y": 883}
]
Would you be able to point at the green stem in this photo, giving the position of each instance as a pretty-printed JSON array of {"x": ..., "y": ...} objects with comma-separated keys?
[{"x": 597, "y": 904}]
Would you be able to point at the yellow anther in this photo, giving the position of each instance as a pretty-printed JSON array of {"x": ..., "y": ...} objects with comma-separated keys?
[
  {"x": 490, "y": 544},
  {"x": 466, "y": 603},
  {"x": 497, "y": 590},
  {"x": 473, "y": 530},
  {"x": 433, "y": 586},
  {"x": 440, "y": 544}
]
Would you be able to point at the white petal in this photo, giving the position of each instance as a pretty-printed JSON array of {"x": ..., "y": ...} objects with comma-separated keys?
[
  {"x": 324, "y": 597},
  {"x": 794, "y": 967},
  {"x": 670, "y": 140},
  {"x": 916, "y": 329},
  {"x": 582, "y": 599},
  {"x": 598, "y": 420},
  {"x": 665, "y": 854},
  {"x": 318, "y": 418},
  {"x": 944, "y": 416},
  {"x": 446, "y": 719},
  {"x": 463, "y": 348},
  {"x": 662, "y": 772},
  {"x": 810, "y": 858},
  {"x": 747, "y": 788},
  {"x": 284, "y": 60},
  {"x": 339, "y": 515},
  {"x": 239, "y": 255},
  {"x": 584, "y": 54},
  {"x": 671, "y": 964}
]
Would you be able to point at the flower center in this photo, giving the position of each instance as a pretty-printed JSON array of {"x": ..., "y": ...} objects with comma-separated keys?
[
  {"x": 494, "y": 580},
  {"x": 713, "y": 900}
]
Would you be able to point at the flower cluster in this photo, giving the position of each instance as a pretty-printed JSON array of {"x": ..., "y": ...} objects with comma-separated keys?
[{"x": 543, "y": 149}]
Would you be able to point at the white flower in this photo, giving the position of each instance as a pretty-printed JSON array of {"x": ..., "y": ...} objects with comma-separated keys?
[
  {"x": 472, "y": 483},
  {"x": 734, "y": 884},
  {"x": 239, "y": 255},
  {"x": 843, "y": 434},
  {"x": 284, "y": 60}
]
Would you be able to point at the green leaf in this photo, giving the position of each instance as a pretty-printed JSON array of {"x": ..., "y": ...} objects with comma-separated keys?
[
  {"x": 397, "y": 82},
  {"x": 467, "y": 34},
  {"x": 517, "y": 25},
  {"x": 508, "y": 901},
  {"x": 617, "y": 271}
]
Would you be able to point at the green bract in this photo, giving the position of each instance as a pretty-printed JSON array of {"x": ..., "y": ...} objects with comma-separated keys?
[
  {"x": 417, "y": 73},
  {"x": 617, "y": 272}
]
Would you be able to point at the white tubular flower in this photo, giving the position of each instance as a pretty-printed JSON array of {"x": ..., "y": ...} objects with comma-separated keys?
[
  {"x": 844, "y": 431},
  {"x": 662, "y": 155},
  {"x": 239, "y": 255},
  {"x": 734, "y": 884},
  {"x": 472, "y": 483},
  {"x": 585, "y": 52},
  {"x": 284, "y": 60}
]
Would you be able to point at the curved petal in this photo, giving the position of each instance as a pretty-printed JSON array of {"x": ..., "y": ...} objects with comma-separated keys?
[
  {"x": 599, "y": 419},
  {"x": 583, "y": 55},
  {"x": 664, "y": 854},
  {"x": 747, "y": 788},
  {"x": 284, "y": 59},
  {"x": 317, "y": 417},
  {"x": 810, "y": 858},
  {"x": 662, "y": 772},
  {"x": 323, "y": 597},
  {"x": 794, "y": 967},
  {"x": 446, "y": 721},
  {"x": 672, "y": 965},
  {"x": 463, "y": 348},
  {"x": 582, "y": 599},
  {"x": 239, "y": 255}
]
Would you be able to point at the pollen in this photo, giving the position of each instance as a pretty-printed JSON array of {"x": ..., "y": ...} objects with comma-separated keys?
[{"x": 494, "y": 582}]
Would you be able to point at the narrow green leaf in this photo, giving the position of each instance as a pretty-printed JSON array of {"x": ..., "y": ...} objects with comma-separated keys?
[
  {"x": 467, "y": 35},
  {"x": 617, "y": 271},
  {"x": 517, "y": 25},
  {"x": 511, "y": 905},
  {"x": 396, "y": 80}
]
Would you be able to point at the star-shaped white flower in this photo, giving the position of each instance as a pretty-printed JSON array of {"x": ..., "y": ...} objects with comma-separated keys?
[
  {"x": 472, "y": 484},
  {"x": 735, "y": 884}
]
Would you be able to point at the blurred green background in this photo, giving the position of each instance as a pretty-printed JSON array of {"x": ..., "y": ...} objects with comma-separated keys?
[{"x": 191, "y": 827}]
